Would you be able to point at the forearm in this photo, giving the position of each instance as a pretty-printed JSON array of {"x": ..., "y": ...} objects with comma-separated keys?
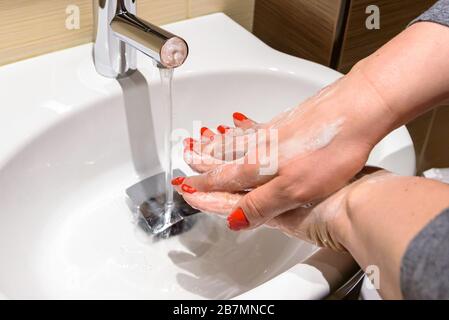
[
  {"x": 406, "y": 77},
  {"x": 411, "y": 72},
  {"x": 383, "y": 214}
]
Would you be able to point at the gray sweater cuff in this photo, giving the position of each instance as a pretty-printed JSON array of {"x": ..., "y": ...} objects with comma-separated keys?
[
  {"x": 425, "y": 265},
  {"x": 439, "y": 13}
]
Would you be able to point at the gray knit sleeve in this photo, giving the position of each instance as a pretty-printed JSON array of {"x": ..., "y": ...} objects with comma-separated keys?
[
  {"x": 439, "y": 13},
  {"x": 425, "y": 265}
]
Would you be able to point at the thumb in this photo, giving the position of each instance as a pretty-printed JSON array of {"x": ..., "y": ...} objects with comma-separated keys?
[{"x": 261, "y": 205}]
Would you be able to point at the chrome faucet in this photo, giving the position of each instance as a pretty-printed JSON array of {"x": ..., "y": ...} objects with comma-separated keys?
[{"x": 119, "y": 33}]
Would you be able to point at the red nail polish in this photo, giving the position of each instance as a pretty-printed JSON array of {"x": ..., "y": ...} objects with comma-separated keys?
[
  {"x": 239, "y": 116},
  {"x": 188, "y": 189},
  {"x": 222, "y": 129},
  {"x": 188, "y": 143},
  {"x": 237, "y": 220},
  {"x": 177, "y": 181},
  {"x": 207, "y": 133}
]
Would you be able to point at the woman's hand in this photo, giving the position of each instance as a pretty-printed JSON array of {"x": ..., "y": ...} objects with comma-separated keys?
[
  {"x": 318, "y": 147},
  {"x": 312, "y": 224},
  {"x": 374, "y": 221},
  {"x": 321, "y": 224},
  {"x": 381, "y": 93}
]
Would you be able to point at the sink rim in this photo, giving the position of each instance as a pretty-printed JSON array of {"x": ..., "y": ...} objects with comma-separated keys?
[{"x": 64, "y": 128}]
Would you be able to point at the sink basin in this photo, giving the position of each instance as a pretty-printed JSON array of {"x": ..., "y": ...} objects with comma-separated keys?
[{"x": 72, "y": 141}]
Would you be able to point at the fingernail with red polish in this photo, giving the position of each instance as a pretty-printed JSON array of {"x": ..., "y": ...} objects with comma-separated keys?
[
  {"x": 177, "y": 181},
  {"x": 188, "y": 189},
  {"x": 239, "y": 116},
  {"x": 188, "y": 143},
  {"x": 237, "y": 220},
  {"x": 204, "y": 130},
  {"x": 222, "y": 129},
  {"x": 207, "y": 133}
]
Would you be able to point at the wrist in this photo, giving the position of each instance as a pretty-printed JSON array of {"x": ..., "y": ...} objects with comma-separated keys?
[
  {"x": 356, "y": 196},
  {"x": 368, "y": 111}
]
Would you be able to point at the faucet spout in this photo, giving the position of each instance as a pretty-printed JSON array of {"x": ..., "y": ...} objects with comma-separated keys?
[{"x": 119, "y": 32}]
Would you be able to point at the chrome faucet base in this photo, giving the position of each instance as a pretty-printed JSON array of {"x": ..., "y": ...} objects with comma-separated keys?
[{"x": 113, "y": 58}]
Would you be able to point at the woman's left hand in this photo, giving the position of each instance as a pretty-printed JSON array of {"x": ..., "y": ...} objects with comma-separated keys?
[{"x": 319, "y": 224}]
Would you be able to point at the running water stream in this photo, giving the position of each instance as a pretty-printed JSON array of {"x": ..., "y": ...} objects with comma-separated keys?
[{"x": 166, "y": 87}]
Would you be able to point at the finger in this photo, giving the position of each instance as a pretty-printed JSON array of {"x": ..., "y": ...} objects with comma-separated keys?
[
  {"x": 192, "y": 146},
  {"x": 242, "y": 121},
  {"x": 206, "y": 134},
  {"x": 225, "y": 130},
  {"x": 203, "y": 157},
  {"x": 222, "y": 129},
  {"x": 206, "y": 145},
  {"x": 223, "y": 147},
  {"x": 201, "y": 163},
  {"x": 263, "y": 204},
  {"x": 231, "y": 177},
  {"x": 188, "y": 143},
  {"x": 220, "y": 203}
]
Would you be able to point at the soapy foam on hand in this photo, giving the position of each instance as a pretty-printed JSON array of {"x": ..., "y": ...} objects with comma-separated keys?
[
  {"x": 291, "y": 114},
  {"x": 316, "y": 140},
  {"x": 269, "y": 160}
]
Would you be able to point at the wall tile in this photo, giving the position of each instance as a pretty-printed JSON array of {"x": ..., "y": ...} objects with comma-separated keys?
[
  {"x": 162, "y": 11},
  {"x": 33, "y": 27},
  {"x": 29, "y": 28},
  {"x": 241, "y": 11}
]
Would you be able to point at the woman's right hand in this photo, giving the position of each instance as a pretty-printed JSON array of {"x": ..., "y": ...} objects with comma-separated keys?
[{"x": 320, "y": 146}]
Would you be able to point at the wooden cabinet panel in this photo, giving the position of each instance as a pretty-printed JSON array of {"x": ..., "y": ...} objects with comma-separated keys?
[
  {"x": 359, "y": 42},
  {"x": 302, "y": 28},
  {"x": 435, "y": 152}
]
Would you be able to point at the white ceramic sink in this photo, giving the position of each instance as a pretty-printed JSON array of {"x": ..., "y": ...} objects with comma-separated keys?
[{"x": 72, "y": 141}]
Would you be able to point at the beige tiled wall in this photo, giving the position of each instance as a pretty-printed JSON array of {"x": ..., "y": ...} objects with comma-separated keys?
[
  {"x": 32, "y": 27},
  {"x": 241, "y": 11}
]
